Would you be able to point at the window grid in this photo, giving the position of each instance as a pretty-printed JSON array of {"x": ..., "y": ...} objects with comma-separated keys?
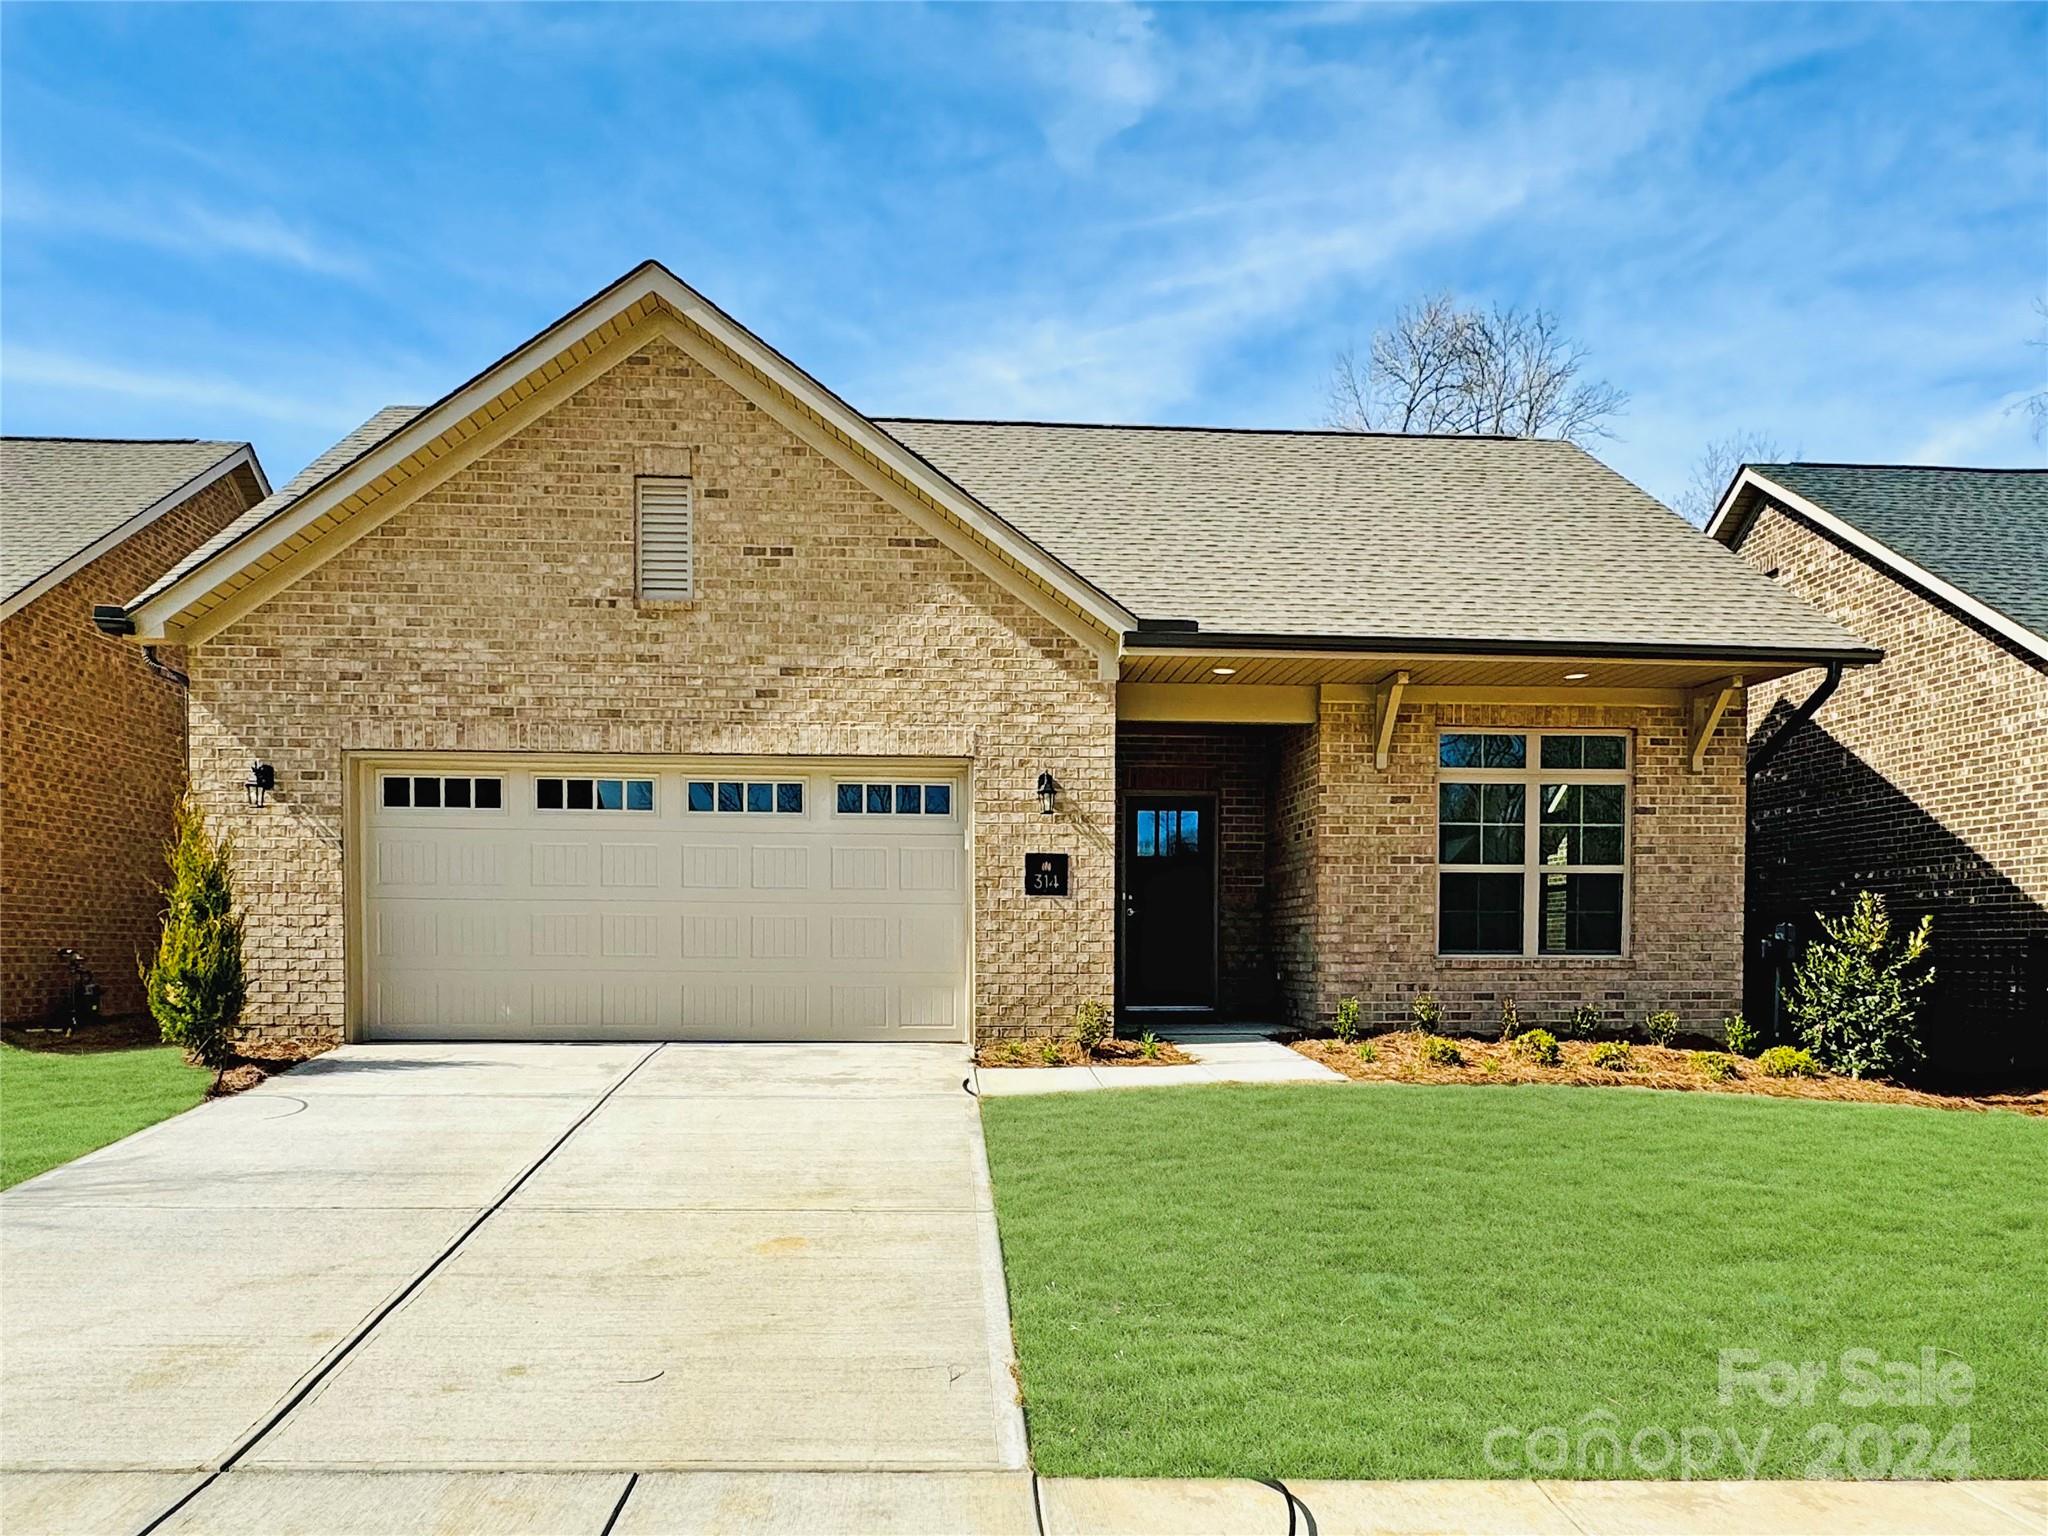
[
  {"x": 560, "y": 792},
  {"x": 892, "y": 799},
  {"x": 729, "y": 797},
  {"x": 1524, "y": 830},
  {"x": 440, "y": 792}
]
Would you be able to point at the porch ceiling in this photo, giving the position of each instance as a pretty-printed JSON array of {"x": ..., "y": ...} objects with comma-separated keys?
[{"x": 1298, "y": 668}]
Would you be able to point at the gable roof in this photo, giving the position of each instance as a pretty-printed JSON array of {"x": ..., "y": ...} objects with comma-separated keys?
[
  {"x": 65, "y": 501},
  {"x": 1357, "y": 538},
  {"x": 296, "y": 533},
  {"x": 1977, "y": 538}
]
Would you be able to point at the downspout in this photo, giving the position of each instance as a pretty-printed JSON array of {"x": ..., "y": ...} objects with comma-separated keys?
[{"x": 1798, "y": 717}]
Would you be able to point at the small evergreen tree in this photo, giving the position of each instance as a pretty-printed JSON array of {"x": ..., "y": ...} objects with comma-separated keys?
[
  {"x": 1855, "y": 993},
  {"x": 195, "y": 983}
]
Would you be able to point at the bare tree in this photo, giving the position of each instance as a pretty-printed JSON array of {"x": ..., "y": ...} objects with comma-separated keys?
[
  {"x": 1716, "y": 466},
  {"x": 2036, "y": 404},
  {"x": 1442, "y": 367}
]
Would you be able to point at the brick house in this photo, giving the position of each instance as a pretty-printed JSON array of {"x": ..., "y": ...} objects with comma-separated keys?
[
  {"x": 92, "y": 748},
  {"x": 1924, "y": 778},
  {"x": 642, "y": 687}
]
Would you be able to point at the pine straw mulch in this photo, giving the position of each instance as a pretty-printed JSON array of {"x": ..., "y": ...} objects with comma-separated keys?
[
  {"x": 244, "y": 1071},
  {"x": 1111, "y": 1053},
  {"x": 1398, "y": 1059}
]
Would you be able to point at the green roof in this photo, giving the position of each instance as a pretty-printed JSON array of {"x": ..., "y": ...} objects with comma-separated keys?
[{"x": 1983, "y": 531}]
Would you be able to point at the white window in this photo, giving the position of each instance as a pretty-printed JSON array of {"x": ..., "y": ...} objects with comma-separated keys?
[
  {"x": 663, "y": 515},
  {"x": 440, "y": 792},
  {"x": 728, "y": 797},
  {"x": 580, "y": 794},
  {"x": 893, "y": 799},
  {"x": 1532, "y": 842}
]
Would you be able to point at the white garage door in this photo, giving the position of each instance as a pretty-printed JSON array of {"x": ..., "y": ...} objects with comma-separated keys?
[{"x": 776, "y": 900}]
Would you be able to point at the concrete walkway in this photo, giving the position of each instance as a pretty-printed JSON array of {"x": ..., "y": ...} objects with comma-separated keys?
[
  {"x": 784, "y": 1503},
  {"x": 1221, "y": 1055},
  {"x": 533, "y": 1259}
]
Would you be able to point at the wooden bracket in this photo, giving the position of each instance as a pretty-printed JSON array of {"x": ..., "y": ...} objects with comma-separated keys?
[
  {"x": 1706, "y": 707},
  {"x": 1386, "y": 698}
]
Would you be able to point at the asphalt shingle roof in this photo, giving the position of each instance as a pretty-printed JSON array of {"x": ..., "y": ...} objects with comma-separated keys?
[
  {"x": 1329, "y": 534},
  {"x": 361, "y": 440},
  {"x": 1983, "y": 531},
  {"x": 1369, "y": 535},
  {"x": 61, "y": 495}
]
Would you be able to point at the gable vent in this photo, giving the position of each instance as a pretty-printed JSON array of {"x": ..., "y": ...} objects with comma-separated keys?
[{"x": 665, "y": 568}]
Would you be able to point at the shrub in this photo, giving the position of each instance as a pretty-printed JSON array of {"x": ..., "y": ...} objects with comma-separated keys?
[
  {"x": 1582, "y": 1023},
  {"x": 1661, "y": 1027},
  {"x": 1013, "y": 1051},
  {"x": 1743, "y": 1037},
  {"x": 1148, "y": 1046},
  {"x": 1429, "y": 1013},
  {"x": 1439, "y": 1052},
  {"x": 1510, "y": 1019},
  {"x": 195, "y": 985},
  {"x": 1856, "y": 992},
  {"x": 1539, "y": 1046},
  {"x": 1346, "y": 1027},
  {"x": 1052, "y": 1053},
  {"x": 1612, "y": 1056},
  {"x": 1367, "y": 1051},
  {"x": 1093, "y": 1022},
  {"x": 1716, "y": 1066},
  {"x": 1787, "y": 1061}
]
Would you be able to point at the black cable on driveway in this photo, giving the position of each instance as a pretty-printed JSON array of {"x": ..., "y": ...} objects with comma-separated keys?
[{"x": 365, "y": 1328}]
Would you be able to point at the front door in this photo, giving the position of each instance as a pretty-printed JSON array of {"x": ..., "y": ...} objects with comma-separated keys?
[{"x": 1170, "y": 901}]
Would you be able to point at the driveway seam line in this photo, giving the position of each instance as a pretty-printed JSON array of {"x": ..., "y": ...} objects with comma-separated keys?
[
  {"x": 618, "y": 1509},
  {"x": 325, "y": 1369}
]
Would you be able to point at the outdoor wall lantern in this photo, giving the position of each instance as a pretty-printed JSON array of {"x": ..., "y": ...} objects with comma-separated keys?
[
  {"x": 262, "y": 780},
  {"x": 1048, "y": 792}
]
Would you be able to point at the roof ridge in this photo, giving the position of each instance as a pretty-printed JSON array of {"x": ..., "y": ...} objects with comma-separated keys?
[
  {"x": 138, "y": 442},
  {"x": 1946, "y": 469},
  {"x": 1161, "y": 426}
]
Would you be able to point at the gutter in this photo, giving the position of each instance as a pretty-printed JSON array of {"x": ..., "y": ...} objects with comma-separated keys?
[
  {"x": 1805, "y": 712},
  {"x": 1187, "y": 635}
]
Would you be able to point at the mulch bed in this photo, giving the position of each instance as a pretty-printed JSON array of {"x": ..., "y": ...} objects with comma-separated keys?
[
  {"x": 264, "y": 1059},
  {"x": 1111, "y": 1053},
  {"x": 1397, "y": 1058}
]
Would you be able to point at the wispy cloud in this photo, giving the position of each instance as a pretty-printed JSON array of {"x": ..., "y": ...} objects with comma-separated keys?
[
  {"x": 182, "y": 223},
  {"x": 52, "y": 370}
]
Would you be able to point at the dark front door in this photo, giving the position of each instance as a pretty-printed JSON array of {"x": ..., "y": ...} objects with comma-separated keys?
[{"x": 1170, "y": 901}]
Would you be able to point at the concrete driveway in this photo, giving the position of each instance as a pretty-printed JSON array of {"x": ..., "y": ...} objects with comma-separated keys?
[{"x": 570, "y": 1264}]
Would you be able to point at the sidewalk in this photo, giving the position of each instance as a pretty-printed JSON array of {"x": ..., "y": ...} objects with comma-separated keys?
[
  {"x": 1222, "y": 1054},
  {"x": 762, "y": 1503}
]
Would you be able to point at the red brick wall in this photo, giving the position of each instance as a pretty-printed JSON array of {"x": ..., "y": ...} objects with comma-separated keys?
[
  {"x": 93, "y": 747},
  {"x": 1924, "y": 778},
  {"x": 1234, "y": 763}
]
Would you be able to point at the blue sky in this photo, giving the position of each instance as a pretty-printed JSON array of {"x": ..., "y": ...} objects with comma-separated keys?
[{"x": 1830, "y": 224}]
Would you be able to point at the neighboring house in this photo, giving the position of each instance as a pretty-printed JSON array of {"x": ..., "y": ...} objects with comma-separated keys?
[
  {"x": 92, "y": 749},
  {"x": 643, "y": 687},
  {"x": 1925, "y": 778}
]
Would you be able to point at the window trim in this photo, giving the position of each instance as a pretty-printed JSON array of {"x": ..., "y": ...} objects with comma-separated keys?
[
  {"x": 563, "y": 776},
  {"x": 893, "y": 817},
  {"x": 687, "y": 486},
  {"x": 380, "y": 775},
  {"x": 1532, "y": 777}
]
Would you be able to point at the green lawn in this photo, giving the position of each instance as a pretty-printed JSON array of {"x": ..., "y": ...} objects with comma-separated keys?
[
  {"x": 1364, "y": 1281},
  {"x": 56, "y": 1107}
]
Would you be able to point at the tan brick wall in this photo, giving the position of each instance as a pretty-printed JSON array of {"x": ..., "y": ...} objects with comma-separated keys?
[
  {"x": 1924, "y": 777},
  {"x": 1363, "y": 842},
  {"x": 92, "y": 756},
  {"x": 497, "y": 613}
]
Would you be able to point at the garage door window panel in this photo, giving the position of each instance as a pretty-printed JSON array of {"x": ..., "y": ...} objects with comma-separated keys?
[
  {"x": 552, "y": 793},
  {"x": 440, "y": 792}
]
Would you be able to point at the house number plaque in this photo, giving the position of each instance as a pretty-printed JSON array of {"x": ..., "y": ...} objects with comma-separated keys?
[{"x": 1045, "y": 874}]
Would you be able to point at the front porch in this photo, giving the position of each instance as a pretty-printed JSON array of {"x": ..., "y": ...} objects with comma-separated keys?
[{"x": 1282, "y": 846}]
